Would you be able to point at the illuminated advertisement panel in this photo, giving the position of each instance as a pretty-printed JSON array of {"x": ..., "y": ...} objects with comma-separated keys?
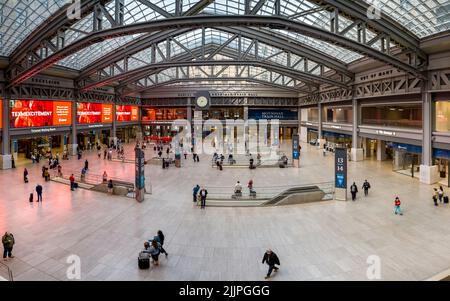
[
  {"x": 127, "y": 113},
  {"x": 89, "y": 112},
  {"x": 1, "y": 113},
  {"x": 39, "y": 113}
]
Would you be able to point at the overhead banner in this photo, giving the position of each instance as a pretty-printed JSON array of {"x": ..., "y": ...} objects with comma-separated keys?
[
  {"x": 40, "y": 113},
  {"x": 127, "y": 113},
  {"x": 89, "y": 112}
]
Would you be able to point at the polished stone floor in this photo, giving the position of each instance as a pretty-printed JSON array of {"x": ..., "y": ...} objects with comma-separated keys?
[{"x": 323, "y": 241}]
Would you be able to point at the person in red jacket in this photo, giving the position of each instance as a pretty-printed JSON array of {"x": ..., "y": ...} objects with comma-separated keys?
[
  {"x": 397, "y": 204},
  {"x": 72, "y": 182}
]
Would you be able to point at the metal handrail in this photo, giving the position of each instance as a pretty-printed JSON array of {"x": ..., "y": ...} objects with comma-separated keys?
[
  {"x": 8, "y": 270},
  {"x": 266, "y": 192}
]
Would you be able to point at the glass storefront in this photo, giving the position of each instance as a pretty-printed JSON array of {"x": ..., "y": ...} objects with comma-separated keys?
[
  {"x": 337, "y": 139},
  {"x": 407, "y": 158},
  {"x": 442, "y": 116},
  {"x": 224, "y": 113},
  {"x": 405, "y": 115},
  {"x": 155, "y": 114},
  {"x": 313, "y": 114},
  {"x": 441, "y": 158},
  {"x": 338, "y": 115}
]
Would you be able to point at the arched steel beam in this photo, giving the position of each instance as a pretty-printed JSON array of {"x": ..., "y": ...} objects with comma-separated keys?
[
  {"x": 222, "y": 79},
  {"x": 250, "y": 33},
  {"x": 201, "y": 21},
  {"x": 183, "y": 60}
]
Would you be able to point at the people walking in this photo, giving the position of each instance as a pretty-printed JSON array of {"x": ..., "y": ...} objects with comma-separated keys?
[
  {"x": 435, "y": 196},
  {"x": 154, "y": 249},
  {"x": 250, "y": 186},
  {"x": 441, "y": 194},
  {"x": 105, "y": 177},
  {"x": 39, "y": 193},
  {"x": 397, "y": 204},
  {"x": 72, "y": 182},
  {"x": 366, "y": 187},
  {"x": 271, "y": 259},
  {"x": 353, "y": 191},
  {"x": 86, "y": 165},
  {"x": 110, "y": 187},
  {"x": 8, "y": 244},
  {"x": 195, "y": 192},
  {"x": 160, "y": 239},
  {"x": 203, "y": 195},
  {"x": 25, "y": 175}
]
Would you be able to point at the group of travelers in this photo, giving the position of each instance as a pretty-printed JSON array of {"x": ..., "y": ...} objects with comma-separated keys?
[
  {"x": 354, "y": 189},
  {"x": 439, "y": 196},
  {"x": 199, "y": 196},
  {"x": 152, "y": 249}
]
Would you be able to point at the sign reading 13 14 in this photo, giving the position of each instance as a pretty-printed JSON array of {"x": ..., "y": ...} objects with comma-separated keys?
[{"x": 340, "y": 168}]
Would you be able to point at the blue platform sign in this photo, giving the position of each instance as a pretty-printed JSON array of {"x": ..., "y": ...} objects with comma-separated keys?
[
  {"x": 340, "y": 165},
  {"x": 140, "y": 169},
  {"x": 295, "y": 147}
]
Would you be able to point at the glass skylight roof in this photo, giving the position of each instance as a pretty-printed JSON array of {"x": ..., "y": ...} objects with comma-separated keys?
[{"x": 18, "y": 18}]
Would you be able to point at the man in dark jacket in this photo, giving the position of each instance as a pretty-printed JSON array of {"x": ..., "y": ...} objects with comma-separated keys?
[
  {"x": 272, "y": 259},
  {"x": 39, "y": 192},
  {"x": 366, "y": 186},
  {"x": 353, "y": 191},
  {"x": 8, "y": 243},
  {"x": 203, "y": 195},
  {"x": 195, "y": 193}
]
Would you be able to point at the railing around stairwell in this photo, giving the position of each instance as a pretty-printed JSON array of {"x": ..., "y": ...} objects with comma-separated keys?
[
  {"x": 266, "y": 192},
  {"x": 96, "y": 179},
  {"x": 5, "y": 272}
]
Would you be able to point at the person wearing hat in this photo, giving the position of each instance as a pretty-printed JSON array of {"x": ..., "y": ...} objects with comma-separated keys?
[{"x": 271, "y": 259}]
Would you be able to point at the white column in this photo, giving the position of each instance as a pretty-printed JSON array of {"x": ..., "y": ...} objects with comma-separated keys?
[
  {"x": 429, "y": 173},
  {"x": 381, "y": 150},
  {"x": 357, "y": 153},
  {"x": 5, "y": 157},
  {"x": 321, "y": 140},
  {"x": 303, "y": 116}
]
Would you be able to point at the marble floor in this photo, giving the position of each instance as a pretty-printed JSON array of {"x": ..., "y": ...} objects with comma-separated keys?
[{"x": 322, "y": 241}]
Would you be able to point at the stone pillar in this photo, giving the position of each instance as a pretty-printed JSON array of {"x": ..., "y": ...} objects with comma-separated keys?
[
  {"x": 381, "y": 150},
  {"x": 72, "y": 146},
  {"x": 320, "y": 139},
  {"x": 5, "y": 157},
  {"x": 398, "y": 160},
  {"x": 429, "y": 173},
  {"x": 303, "y": 131},
  {"x": 356, "y": 153}
]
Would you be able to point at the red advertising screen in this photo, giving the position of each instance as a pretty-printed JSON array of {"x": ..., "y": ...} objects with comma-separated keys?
[
  {"x": 37, "y": 113},
  {"x": 1, "y": 113},
  {"x": 127, "y": 113},
  {"x": 90, "y": 112}
]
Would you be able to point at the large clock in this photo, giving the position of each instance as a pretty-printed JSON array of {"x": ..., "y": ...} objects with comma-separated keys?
[{"x": 202, "y": 100}]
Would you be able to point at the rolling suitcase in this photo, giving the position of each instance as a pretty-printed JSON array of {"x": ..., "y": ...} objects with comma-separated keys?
[
  {"x": 143, "y": 261},
  {"x": 31, "y": 198},
  {"x": 445, "y": 199}
]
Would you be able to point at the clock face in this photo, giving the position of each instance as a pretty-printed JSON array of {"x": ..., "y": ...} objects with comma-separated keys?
[{"x": 202, "y": 101}]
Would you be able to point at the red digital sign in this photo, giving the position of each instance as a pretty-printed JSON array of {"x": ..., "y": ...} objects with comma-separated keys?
[
  {"x": 127, "y": 113},
  {"x": 89, "y": 112},
  {"x": 1, "y": 113},
  {"x": 37, "y": 113}
]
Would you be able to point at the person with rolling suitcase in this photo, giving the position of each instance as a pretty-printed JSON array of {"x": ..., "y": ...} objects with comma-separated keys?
[
  {"x": 144, "y": 257},
  {"x": 25, "y": 175}
]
